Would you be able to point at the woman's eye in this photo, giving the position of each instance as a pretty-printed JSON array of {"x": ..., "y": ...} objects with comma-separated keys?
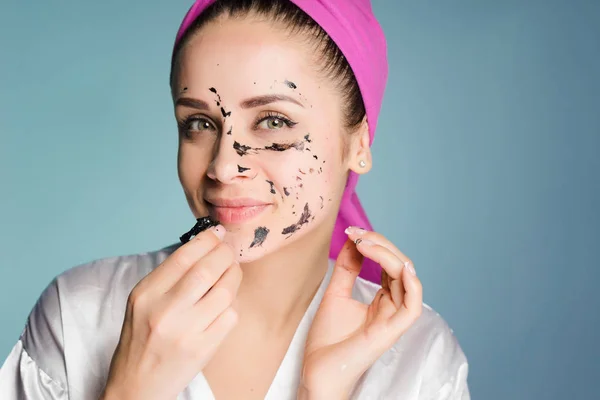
[
  {"x": 274, "y": 123},
  {"x": 195, "y": 124},
  {"x": 199, "y": 125}
]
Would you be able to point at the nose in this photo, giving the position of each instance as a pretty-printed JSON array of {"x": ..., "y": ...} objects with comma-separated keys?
[{"x": 227, "y": 166}]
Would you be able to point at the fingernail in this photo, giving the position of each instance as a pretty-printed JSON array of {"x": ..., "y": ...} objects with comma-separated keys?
[
  {"x": 364, "y": 242},
  {"x": 219, "y": 231},
  {"x": 408, "y": 265},
  {"x": 354, "y": 230}
]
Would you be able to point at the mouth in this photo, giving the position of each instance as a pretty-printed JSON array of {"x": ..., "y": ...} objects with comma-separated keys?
[{"x": 235, "y": 211}]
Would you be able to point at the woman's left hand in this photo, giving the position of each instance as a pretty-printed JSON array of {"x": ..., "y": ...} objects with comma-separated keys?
[{"x": 347, "y": 336}]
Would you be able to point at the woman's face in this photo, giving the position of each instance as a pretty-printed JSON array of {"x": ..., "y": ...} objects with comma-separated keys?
[{"x": 260, "y": 136}]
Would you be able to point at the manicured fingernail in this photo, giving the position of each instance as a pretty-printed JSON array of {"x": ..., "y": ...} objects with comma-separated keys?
[
  {"x": 408, "y": 265},
  {"x": 219, "y": 230},
  {"x": 364, "y": 242},
  {"x": 354, "y": 230}
]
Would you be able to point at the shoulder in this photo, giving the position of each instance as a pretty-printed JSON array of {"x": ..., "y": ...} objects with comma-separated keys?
[
  {"x": 120, "y": 273},
  {"x": 62, "y": 330},
  {"x": 92, "y": 296},
  {"x": 99, "y": 289},
  {"x": 426, "y": 362}
]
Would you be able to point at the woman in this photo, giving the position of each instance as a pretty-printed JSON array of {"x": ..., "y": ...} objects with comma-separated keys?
[{"x": 276, "y": 103}]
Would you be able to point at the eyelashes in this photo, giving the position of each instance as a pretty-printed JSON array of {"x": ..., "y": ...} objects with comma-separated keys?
[
  {"x": 194, "y": 123},
  {"x": 268, "y": 122},
  {"x": 276, "y": 120}
]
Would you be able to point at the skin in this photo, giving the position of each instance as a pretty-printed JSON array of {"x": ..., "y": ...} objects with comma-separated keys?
[{"x": 247, "y": 58}]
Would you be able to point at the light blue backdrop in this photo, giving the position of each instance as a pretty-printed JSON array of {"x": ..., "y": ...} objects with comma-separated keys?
[{"x": 486, "y": 173}]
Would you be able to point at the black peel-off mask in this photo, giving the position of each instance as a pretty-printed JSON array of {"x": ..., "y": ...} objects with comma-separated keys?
[
  {"x": 202, "y": 224},
  {"x": 260, "y": 234},
  {"x": 304, "y": 219}
]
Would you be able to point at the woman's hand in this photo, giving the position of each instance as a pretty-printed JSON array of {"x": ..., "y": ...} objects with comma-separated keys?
[
  {"x": 347, "y": 336},
  {"x": 176, "y": 318}
]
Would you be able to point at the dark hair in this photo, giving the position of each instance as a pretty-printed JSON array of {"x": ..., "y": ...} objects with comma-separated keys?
[{"x": 334, "y": 64}]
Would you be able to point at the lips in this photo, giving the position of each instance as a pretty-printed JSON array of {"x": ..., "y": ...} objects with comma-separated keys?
[{"x": 236, "y": 210}]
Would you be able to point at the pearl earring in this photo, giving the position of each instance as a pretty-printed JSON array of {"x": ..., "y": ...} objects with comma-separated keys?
[{"x": 362, "y": 163}]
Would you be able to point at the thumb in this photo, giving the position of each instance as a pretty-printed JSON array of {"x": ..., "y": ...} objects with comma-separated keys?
[{"x": 346, "y": 270}]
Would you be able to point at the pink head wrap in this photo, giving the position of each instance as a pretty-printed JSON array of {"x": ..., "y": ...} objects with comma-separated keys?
[{"x": 353, "y": 27}]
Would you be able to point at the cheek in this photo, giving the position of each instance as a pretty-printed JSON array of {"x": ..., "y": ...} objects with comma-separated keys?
[
  {"x": 191, "y": 165},
  {"x": 303, "y": 175}
]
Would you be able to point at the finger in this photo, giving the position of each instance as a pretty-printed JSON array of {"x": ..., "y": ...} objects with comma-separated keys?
[
  {"x": 397, "y": 292},
  {"x": 229, "y": 282},
  {"x": 413, "y": 302},
  {"x": 385, "y": 307},
  {"x": 346, "y": 270},
  {"x": 381, "y": 255},
  {"x": 216, "y": 332},
  {"x": 219, "y": 298},
  {"x": 377, "y": 303},
  {"x": 202, "y": 276},
  {"x": 413, "y": 298},
  {"x": 358, "y": 233},
  {"x": 170, "y": 271},
  {"x": 385, "y": 279},
  {"x": 389, "y": 262}
]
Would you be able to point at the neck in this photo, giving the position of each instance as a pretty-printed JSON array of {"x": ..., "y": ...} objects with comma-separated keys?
[{"x": 277, "y": 289}]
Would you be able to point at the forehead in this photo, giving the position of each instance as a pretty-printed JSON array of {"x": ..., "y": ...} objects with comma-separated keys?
[{"x": 244, "y": 52}]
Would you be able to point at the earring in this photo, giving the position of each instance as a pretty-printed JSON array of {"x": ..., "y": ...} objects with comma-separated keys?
[{"x": 362, "y": 163}]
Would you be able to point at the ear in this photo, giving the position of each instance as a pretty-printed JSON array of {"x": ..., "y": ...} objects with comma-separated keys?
[{"x": 360, "y": 160}]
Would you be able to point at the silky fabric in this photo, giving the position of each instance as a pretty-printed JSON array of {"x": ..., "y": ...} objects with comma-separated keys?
[
  {"x": 352, "y": 25},
  {"x": 66, "y": 348}
]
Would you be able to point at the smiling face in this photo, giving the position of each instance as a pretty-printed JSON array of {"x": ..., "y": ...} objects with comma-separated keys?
[{"x": 260, "y": 136}]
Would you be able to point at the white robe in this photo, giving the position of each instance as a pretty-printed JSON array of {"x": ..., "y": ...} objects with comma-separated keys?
[{"x": 65, "y": 349}]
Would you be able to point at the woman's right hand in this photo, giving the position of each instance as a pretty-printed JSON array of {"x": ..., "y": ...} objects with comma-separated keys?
[{"x": 176, "y": 318}]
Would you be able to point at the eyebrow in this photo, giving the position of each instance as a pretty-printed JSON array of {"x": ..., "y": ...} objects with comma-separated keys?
[
  {"x": 259, "y": 101},
  {"x": 194, "y": 103},
  {"x": 252, "y": 102}
]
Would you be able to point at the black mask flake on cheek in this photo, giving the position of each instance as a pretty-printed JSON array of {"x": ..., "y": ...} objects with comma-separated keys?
[
  {"x": 241, "y": 149},
  {"x": 242, "y": 169},
  {"x": 286, "y": 191},
  {"x": 321, "y": 197},
  {"x": 291, "y": 85},
  {"x": 285, "y": 146},
  {"x": 260, "y": 234},
  {"x": 304, "y": 218},
  {"x": 272, "y": 186},
  {"x": 230, "y": 130}
]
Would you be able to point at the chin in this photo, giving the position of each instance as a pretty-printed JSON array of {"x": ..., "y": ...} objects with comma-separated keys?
[{"x": 243, "y": 252}]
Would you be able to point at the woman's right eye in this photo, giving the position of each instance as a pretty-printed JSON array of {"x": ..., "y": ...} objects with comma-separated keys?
[
  {"x": 199, "y": 124},
  {"x": 195, "y": 124}
]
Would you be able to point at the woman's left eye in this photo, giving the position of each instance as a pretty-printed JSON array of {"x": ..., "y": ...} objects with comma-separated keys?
[{"x": 274, "y": 122}]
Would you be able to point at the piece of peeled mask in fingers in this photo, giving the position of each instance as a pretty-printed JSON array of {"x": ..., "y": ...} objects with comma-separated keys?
[{"x": 202, "y": 224}]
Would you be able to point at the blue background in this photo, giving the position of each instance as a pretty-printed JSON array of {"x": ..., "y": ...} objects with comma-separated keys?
[{"x": 486, "y": 172}]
